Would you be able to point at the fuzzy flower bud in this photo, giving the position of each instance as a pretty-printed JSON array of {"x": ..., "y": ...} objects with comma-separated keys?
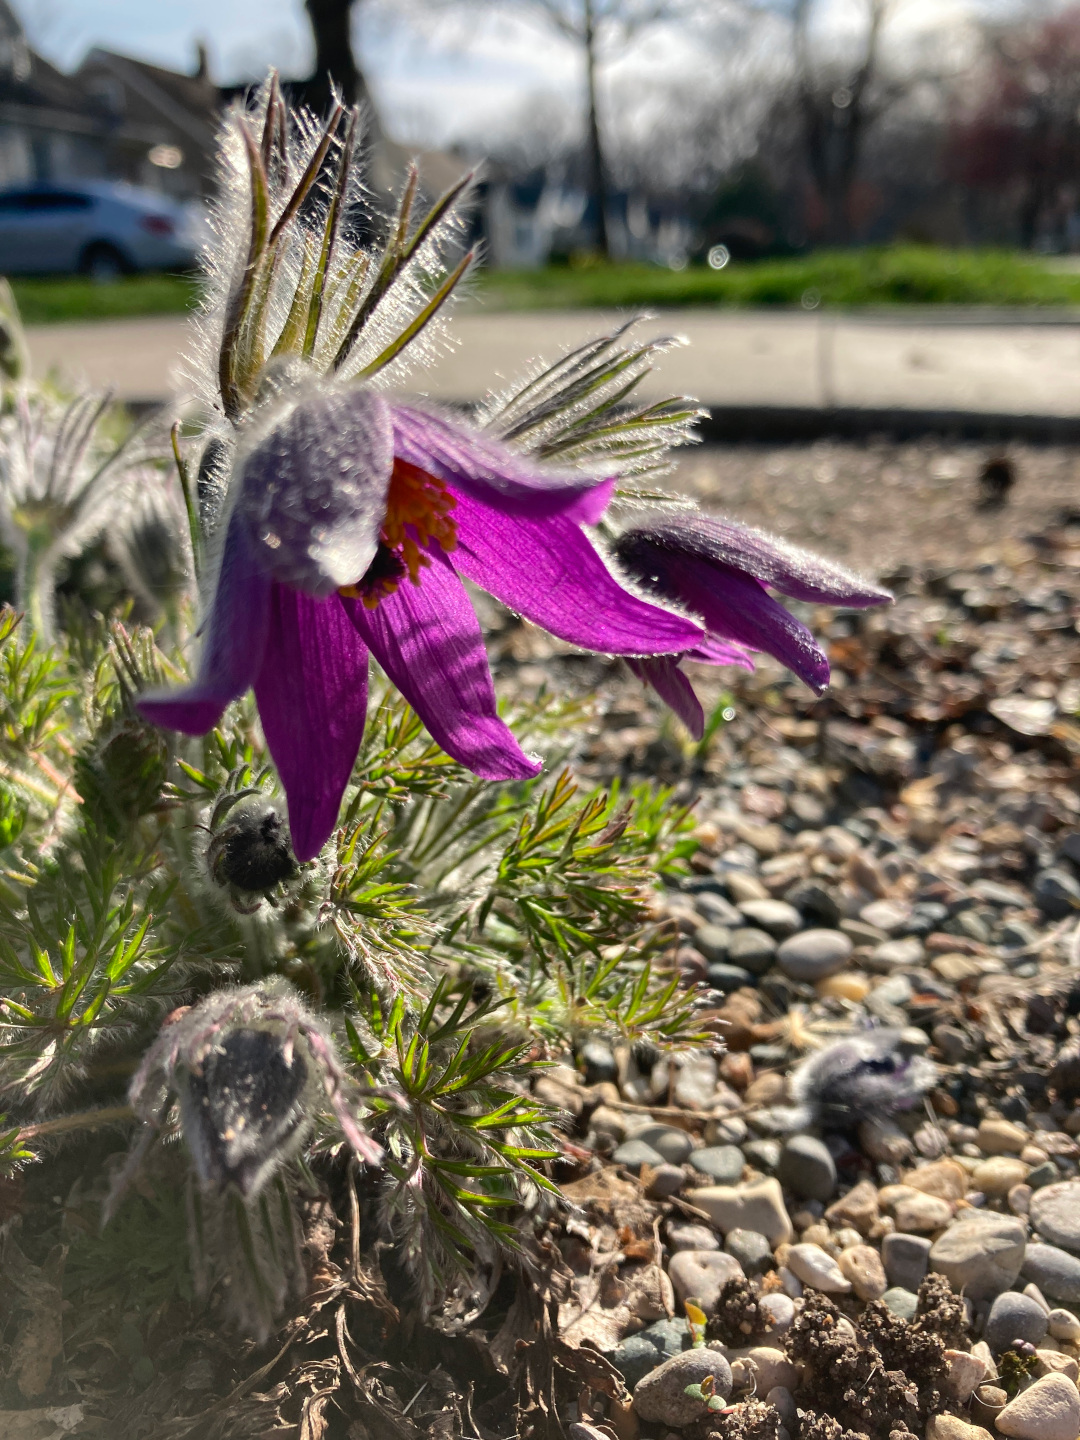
[
  {"x": 251, "y": 1070},
  {"x": 251, "y": 852},
  {"x": 866, "y": 1077}
]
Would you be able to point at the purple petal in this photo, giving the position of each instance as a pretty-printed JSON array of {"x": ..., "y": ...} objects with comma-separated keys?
[
  {"x": 469, "y": 460},
  {"x": 737, "y": 607},
  {"x": 549, "y": 571},
  {"x": 312, "y": 694},
  {"x": 714, "y": 651},
  {"x": 313, "y": 490},
  {"x": 236, "y": 631},
  {"x": 784, "y": 567},
  {"x": 663, "y": 674},
  {"x": 428, "y": 640}
]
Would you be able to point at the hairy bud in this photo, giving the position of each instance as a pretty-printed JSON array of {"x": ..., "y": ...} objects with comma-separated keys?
[
  {"x": 863, "y": 1077},
  {"x": 247, "y": 1107},
  {"x": 252, "y": 851},
  {"x": 251, "y": 1069}
]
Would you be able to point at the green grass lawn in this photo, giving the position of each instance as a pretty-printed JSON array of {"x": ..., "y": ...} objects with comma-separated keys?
[
  {"x": 893, "y": 275},
  {"x": 889, "y": 275},
  {"x": 75, "y": 298}
]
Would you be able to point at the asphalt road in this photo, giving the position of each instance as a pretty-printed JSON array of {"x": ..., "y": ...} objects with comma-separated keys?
[{"x": 1001, "y": 365}]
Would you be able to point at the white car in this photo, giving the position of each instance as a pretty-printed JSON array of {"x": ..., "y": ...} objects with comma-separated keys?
[{"x": 98, "y": 228}]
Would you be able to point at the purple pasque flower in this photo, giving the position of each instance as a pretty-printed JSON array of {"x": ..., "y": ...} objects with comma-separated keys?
[
  {"x": 354, "y": 521},
  {"x": 723, "y": 572}
]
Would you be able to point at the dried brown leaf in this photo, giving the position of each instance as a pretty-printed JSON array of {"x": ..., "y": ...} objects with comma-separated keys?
[
  {"x": 40, "y": 1336},
  {"x": 313, "y": 1421}
]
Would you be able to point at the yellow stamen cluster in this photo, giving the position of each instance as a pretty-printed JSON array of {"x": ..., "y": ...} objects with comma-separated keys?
[{"x": 417, "y": 511}]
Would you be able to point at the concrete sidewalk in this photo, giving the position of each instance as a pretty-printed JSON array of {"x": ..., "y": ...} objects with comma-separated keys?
[{"x": 959, "y": 363}]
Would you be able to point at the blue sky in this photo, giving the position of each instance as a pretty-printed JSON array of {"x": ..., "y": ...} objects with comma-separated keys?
[
  {"x": 433, "y": 83},
  {"x": 420, "y": 78}
]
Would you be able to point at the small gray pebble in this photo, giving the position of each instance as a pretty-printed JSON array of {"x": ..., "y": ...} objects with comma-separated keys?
[
  {"x": 780, "y": 1309},
  {"x": 753, "y": 1251},
  {"x": 667, "y": 1180},
  {"x": 727, "y": 978},
  {"x": 635, "y": 1153},
  {"x": 717, "y": 911},
  {"x": 722, "y": 1163},
  {"x": 1045, "y": 1174},
  {"x": 1014, "y": 1317},
  {"x": 1018, "y": 934},
  {"x": 1056, "y": 893},
  {"x": 660, "y": 1398},
  {"x": 776, "y": 917},
  {"x": 1054, "y": 1271},
  {"x": 814, "y": 955},
  {"x": 893, "y": 955},
  {"x": 725, "y": 1130},
  {"x": 764, "y": 1154},
  {"x": 814, "y": 902},
  {"x": 751, "y": 949},
  {"x": 639, "y": 1354},
  {"x": 672, "y": 1144},
  {"x": 688, "y": 1235},
  {"x": 901, "y": 1302},
  {"x": 807, "y": 1168},
  {"x": 906, "y": 1259},
  {"x": 598, "y": 1061},
  {"x": 713, "y": 941},
  {"x": 1055, "y": 1213}
]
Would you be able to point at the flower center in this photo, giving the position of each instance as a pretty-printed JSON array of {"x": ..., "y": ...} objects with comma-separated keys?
[{"x": 417, "y": 512}]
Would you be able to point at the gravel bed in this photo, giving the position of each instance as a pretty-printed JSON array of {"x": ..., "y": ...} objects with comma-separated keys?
[{"x": 872, "y": 1189}]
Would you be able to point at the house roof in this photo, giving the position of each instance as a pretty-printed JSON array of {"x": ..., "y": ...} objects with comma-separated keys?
[{"x": 187, "y": 104}]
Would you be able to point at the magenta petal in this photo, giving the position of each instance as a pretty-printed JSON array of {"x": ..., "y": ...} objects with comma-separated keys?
[
  {"x": 467, "y": 459},
  {"x": 797, "y": 573},
  {"x": 312, "y": 694},
  {"x": 232, "y": 651},
  {"x": 737, "y": 607},
  {"x": 550, "y": 572},
  {"x": 714, "y": 651},
  {"x": 663, "y": 674},
  {"x": 428, "y": 640}
]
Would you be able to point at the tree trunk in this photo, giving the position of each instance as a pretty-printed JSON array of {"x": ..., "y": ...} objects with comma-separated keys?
[
  {"x": 335, "y": 63},
  {"x": 834, "y": 134},
  {"x": 597, "y": 176}
]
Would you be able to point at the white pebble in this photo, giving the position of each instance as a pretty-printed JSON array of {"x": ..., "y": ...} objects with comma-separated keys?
[{"x": 816, "y": 1268}]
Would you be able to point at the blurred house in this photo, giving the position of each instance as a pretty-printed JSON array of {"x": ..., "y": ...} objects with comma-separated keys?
[
  {"x": 115, "y": 118},
  {"x": 158, "y": 125},
  {"x": 527, "y": 219},
  {"x": 45, "y": 130},
  {"x": 118, "y": 118}
]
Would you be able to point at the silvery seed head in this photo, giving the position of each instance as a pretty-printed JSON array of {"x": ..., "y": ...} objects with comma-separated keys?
[
  {"x": 862, "y": 1077},
  {"x": 251, "y": 1069}
]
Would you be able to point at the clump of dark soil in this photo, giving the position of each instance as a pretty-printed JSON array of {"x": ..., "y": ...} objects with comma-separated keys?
[
  {"x": 815, "y": 1426},
  {"x": 941, "y": 1312},
  {"x": 885, "y": 1379},
  {"x": 750, "y": 1420},
  {"x": 739, "y": 1319}
]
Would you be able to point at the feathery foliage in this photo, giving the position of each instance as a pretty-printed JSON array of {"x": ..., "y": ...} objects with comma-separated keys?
[{"x": 388, "y": 1004}]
